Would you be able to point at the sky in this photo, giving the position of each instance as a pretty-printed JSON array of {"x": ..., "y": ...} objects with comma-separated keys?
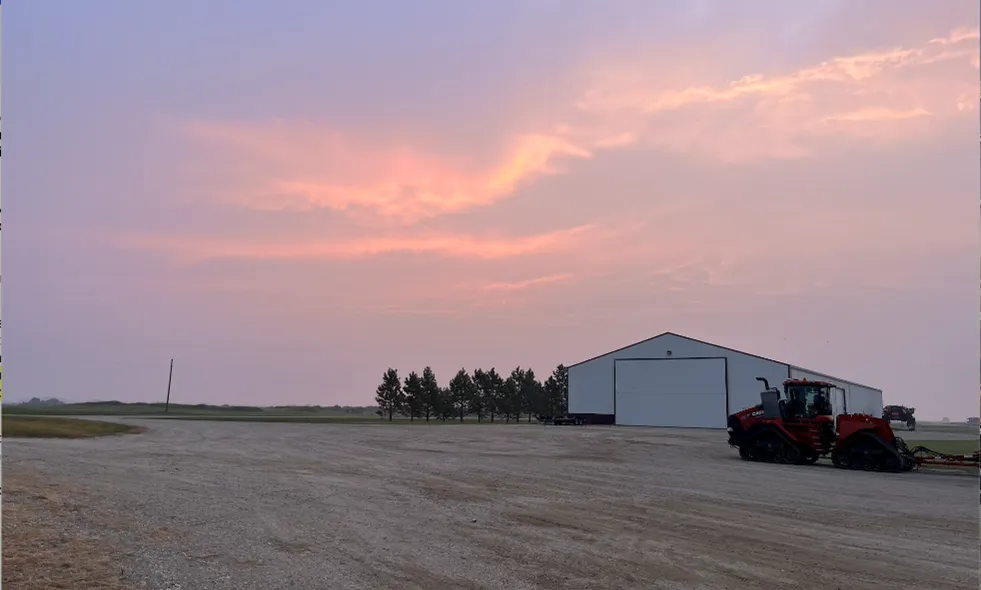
[{"x": 290, "y": 197}]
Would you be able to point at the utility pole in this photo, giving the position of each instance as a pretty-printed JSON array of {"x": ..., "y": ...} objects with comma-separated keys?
[{"x": 170, "y": 379}]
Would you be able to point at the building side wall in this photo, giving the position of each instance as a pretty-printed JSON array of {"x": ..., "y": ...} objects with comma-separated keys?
[{"x": 859, "y": 399}]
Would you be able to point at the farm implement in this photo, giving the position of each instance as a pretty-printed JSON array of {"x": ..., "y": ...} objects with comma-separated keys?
[{"x": 928, "y": 457}]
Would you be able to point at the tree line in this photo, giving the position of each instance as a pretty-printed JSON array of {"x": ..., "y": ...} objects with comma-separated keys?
[{"x": 485, "y": 394}]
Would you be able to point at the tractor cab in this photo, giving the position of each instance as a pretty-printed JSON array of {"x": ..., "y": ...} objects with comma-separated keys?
[
  {"x": 806, "y": 409},
  {"x": 800, "y": 400},
  {"x": 808, "y": 400}
]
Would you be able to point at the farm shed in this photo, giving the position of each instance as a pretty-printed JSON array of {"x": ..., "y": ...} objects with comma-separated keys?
[{"x": 673, "y": 380}]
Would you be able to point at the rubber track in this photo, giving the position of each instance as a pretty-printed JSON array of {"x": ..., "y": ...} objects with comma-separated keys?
[
  {"x": 888, "y": 448},
  {"x": 755, "y": 434}
]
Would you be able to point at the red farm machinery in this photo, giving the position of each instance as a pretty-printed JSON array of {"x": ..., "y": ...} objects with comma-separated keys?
[{"x": 799, "y": 425}]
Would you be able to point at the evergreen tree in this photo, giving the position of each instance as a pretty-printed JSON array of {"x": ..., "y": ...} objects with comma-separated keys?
[
  {"x": 414, "y": 394},
  {"x": 508, "y": 397},
  {"x": 556, "y": 392},
  {"x": 531, "y": 394},
  {"x": 388, "y": 396},
  {"x": 478, "y": 405},
  {"x": 561, "y": 374},
  {"x": 444, "y": 404},
  {"x": 462, "y": 391},
  {"x": 518, "y": 401},
  {"x": 492, "y": 393},
  {"x": 431, "y": 393}
]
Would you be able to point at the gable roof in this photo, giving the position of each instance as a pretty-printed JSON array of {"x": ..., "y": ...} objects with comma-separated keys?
[{"x": 675, "y": 334}]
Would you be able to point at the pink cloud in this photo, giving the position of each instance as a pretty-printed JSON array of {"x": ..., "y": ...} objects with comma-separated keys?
[{"x": 301, "y": 166}]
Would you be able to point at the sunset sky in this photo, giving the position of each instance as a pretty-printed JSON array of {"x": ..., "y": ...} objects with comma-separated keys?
[{"x": 290, "y": 197}]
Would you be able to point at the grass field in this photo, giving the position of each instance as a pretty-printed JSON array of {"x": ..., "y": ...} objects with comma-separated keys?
[
  {"x": 38, "y": 427},
  {"x": 328, "y": 419},
  {"x": 950, "y": 447},
  {"x": 114, "y": 408},
  {"x": 287, "y": 414}
]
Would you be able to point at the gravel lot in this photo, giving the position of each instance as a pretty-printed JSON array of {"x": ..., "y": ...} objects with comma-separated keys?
[{"x": 198, "y": 505}]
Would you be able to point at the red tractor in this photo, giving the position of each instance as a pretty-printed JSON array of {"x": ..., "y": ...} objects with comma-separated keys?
[{"x": 800, "y": 427}]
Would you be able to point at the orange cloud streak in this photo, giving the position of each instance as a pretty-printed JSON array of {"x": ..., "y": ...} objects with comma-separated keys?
[{"x": 305, "y": 171}]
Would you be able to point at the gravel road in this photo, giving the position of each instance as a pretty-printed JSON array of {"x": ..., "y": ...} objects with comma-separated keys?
[{"x": 198, "y": 505}]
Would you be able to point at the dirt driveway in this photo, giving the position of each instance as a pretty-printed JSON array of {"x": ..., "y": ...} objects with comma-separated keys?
[{"x": 198, "y": 505}]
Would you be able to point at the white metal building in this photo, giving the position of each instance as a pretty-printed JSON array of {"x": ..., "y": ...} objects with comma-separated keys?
[{"x": 673, "y": 380}]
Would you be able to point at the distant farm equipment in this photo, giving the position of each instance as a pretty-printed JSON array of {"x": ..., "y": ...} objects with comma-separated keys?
[{"x": 900, "y": 414}]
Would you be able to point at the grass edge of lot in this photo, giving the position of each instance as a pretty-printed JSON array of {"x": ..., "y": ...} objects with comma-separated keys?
[{"x": 52, "y": 427}]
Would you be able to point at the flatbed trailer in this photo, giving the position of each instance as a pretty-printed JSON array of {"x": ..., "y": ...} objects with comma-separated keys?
[{"x": 560, "y": 420}]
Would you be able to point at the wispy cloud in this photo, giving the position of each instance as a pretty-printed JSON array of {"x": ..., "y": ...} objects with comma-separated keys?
[
  {"x": 840, "y": 70},
  {"x": 877, "y": 114},
  {"x": 191, "y": 249},
  {"x": 958, "y": 35},
  {"x": 774, "y": 115},
  {"x": 525, "y": 284}
]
